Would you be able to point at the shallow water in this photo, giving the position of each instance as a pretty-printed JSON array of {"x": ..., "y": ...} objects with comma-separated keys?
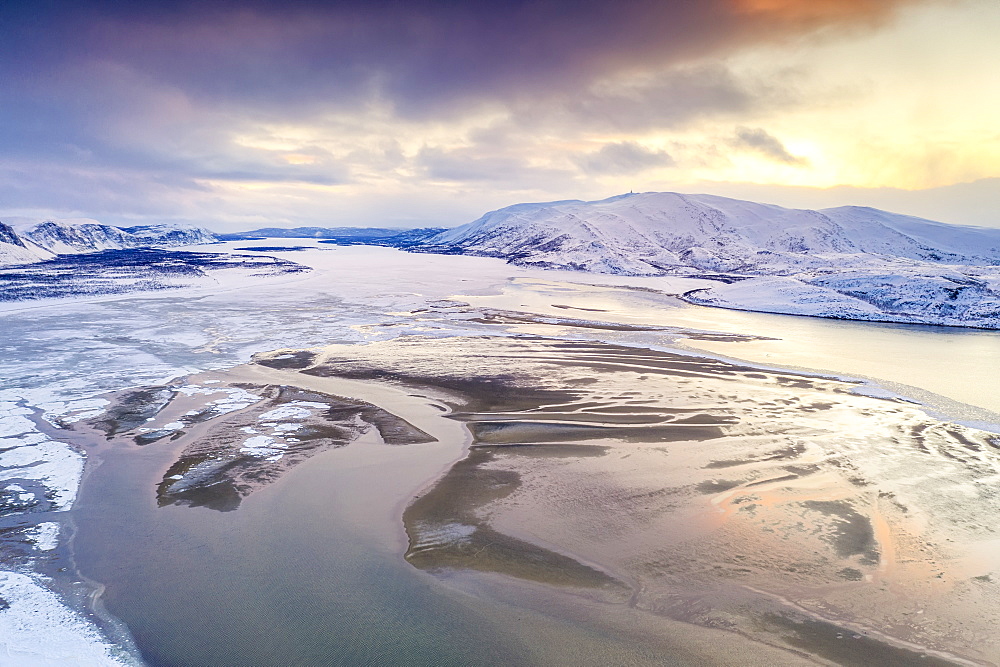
[
  {"x": 310, "y": 570},
  {"x": 954, "y": 363},
  {"x": 307, "y": 571}
]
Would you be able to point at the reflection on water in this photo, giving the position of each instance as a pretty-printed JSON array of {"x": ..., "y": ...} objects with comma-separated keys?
[
  {"x": 763, "y": 502},
  {"x": 310, "y": 569},
  {"x": 307, "y": 571},
  {"x": 959, "y": 364}
]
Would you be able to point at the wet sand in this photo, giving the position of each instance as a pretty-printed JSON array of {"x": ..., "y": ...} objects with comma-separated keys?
[
  {"x": 308, "y": 569},
  {"x": 927, "y": 363},
  {"x": 770, "y": 509},
  {"x": 782, "y": 508}
]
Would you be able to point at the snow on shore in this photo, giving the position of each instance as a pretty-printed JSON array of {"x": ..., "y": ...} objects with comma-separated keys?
[
  {"x": 58, "y": 359},
  {"x": 38, "y": 630}
]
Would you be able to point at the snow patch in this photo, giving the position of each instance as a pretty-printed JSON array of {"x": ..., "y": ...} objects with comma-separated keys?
[
  {"x": 45, "y": 535},
  {"x": 37, "y": 630},
  {"x": 874, "y": 391},
  {"x": 264, "y": 447},
  {"x": 53, "y": 464},
  {"x": 290, "y": 411}
]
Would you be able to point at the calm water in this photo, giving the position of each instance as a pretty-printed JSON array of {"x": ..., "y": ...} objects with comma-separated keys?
[
  {"x": 305, "y": 572},
  {"x": 310, "y": 570},
  {"x": 958, "y": 365}
]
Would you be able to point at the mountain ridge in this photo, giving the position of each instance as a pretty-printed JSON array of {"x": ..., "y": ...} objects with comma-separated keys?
[
  {"x": 845, "y": 262},
  {"x": 28, "y": 241}
]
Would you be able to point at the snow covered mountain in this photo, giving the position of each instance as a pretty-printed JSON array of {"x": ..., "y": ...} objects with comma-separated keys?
[
  {"x": 65, "y": 237},
  {"x": 41, "y": 239},
  {"x": 162, "y": 236},
  {"x": 14, "y": 249},
  {"x": 848, "y": 262}
]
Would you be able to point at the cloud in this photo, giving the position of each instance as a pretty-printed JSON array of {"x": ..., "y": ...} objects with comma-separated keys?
[
  {"x": 123, "y": 99},
  {"x": 760, "y": 141},
  {"x": 53, "y": 190},
  {"x": 810, "y": 11},
  {"x": 971, "y": 203},
  {"x": 664, "y": 99},
  {"x": 624, "y": 158},
  {"x": 468, "y": 164},
  {"x": 423, "y": 56}
]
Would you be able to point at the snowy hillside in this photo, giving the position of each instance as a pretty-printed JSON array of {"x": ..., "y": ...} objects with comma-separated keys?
[
  {"x": 15, "y": 250},
  {"x": 27, "y": 240},
  {"x": 68, "y": 237},
  {"x": 162, "y": 236},
  {"x": 847, "y": 262}
]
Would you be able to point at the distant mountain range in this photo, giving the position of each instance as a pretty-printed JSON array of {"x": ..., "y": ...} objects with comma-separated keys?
[
  {"x": 849, "y": 262},
  {"x": 663, "y": 232},
  {"x": 340, "y": 235},
  {"x": 29, "y": 241}
]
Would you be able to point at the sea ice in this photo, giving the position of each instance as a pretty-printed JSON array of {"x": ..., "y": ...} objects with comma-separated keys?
[{"x": 14, "y": 425}]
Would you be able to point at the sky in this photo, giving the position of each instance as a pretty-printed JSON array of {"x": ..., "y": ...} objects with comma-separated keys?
[{"x": 237, "y": 115}]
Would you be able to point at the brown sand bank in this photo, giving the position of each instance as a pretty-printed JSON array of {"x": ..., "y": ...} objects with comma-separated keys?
[
  {"x": 235, "y": 432},
  {"x": 778, "y": 506}
]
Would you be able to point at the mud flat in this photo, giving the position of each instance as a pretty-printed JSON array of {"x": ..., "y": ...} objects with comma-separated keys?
[
  {"x": 185, "y": 516},
  {"x": 234, "y": 437},
  {"x": 782, "y": 508},
  {"x": 685, "y": 509},
  {"x": 197, "y": 506}
]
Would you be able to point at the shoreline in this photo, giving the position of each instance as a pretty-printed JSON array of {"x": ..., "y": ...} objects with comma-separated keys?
[
  {"x": 380, "y": 393},
  {"x": 461, "y": 532},
  {"x": 630, "y": 334}
]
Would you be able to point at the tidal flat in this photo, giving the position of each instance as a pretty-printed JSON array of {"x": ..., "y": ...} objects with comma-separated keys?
[
  {"x": 309, "y": 566},
  {"x": 771, "y": 507},
  {"x": 523, "y": 469},
  {"x": 781, "y": 507}
]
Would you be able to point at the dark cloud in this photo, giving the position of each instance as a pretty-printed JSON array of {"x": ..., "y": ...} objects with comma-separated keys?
[
  {"x": 661, "y": 101},
  {"x": 622, "y": 158},
  {"x": 420, "y": 55},
  {"x": 760, "y": 141},
  {"x": 161, "y": 91}
]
